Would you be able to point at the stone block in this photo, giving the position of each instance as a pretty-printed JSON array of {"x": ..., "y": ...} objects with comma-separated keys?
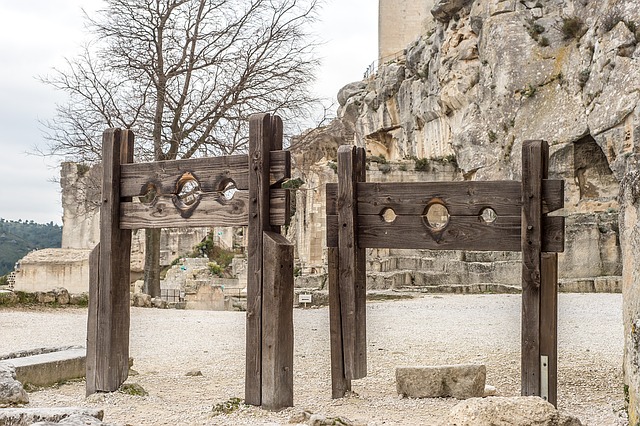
[
  {"x": 11, "y": 390},
  {"x": 49, "y": 368},
  {"x": 29, "y": 416},
  {"x": 459, "y": 381},
  {"x": 513, "y": 411}
]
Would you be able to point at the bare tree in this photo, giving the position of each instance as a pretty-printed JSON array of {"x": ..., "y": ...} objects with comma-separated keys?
[{"x": 184, "y": 75}]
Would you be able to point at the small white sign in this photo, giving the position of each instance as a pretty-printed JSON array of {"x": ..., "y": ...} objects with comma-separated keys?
[{"x": 304, "y": 298}]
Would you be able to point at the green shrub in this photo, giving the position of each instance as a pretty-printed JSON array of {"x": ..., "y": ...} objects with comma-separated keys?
[
  {"x": 572, "y": 28},
  {"x": 227, "y": 407},
  {"x": 422, "y": 165}
]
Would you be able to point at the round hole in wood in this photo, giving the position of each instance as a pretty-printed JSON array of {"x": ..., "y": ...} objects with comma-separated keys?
[
  {"x": 437, "y": 216},
  {"x": 188, "y": 189},
  {"x": 150, "y": 194},
  {"x": 488, "y": 215},
  {"x": 227, "y": 189},
  {"x": 388, "y": 215}
]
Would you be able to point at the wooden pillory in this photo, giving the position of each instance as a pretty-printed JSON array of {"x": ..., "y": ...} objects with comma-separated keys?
[
  {"x": 484, "y": 216},
  {"x": 191, "y": 193}
]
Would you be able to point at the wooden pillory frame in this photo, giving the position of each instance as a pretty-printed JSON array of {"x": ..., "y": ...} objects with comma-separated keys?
[
  {"x": 259, "y": 203},
  {"x": 484, "y": 216}
]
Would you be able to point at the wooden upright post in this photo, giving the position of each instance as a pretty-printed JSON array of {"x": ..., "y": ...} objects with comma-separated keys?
[
  {"x": 351, "y": 263},
  {"x": 277, "y": 322},
  {"x": 549, "y": 328},
  {"x": 339, "y": 384},
  {"x": 535, "y": 156},
  {"x": 109, "y": 315},
  {"x": 265, "y": 135}
]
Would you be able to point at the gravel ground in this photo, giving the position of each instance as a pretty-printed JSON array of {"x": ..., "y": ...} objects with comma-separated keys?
[{"x": 430, "y": 330}]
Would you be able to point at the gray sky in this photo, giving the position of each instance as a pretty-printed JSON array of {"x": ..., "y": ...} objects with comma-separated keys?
[{"x": 36, "y": 35}]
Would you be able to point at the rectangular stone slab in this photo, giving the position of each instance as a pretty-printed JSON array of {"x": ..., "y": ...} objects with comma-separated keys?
[
  {"x": 459, "y": 381},
  {"x": 49, "y": 368}
]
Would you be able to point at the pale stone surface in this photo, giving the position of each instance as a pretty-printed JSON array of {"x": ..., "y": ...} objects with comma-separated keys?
[
  {"x": 458, "y": 381},
  {"x": 512, "y": 411},
  {"x": 11, "y": 390},
  {"x": 46, "y": 269},
  {"x": 74, "y": 420},
  {"x": 630, "y": 241},
  {"x": 141, "y": 300},
  {"x": 29, "y": 416},
  {"x": 51, "y": 367},
  {"x": 400, "y": 22}
]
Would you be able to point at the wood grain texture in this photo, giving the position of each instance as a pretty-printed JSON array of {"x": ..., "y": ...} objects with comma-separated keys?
[
  {"x": 211, "y": 211},
  {"x": 549, "y": 321},
  {"x": 339, "y": 384},
  {"x": 467, "y": 198},
  {"x": 112, "y": 309},
  {"x": 348, "y": 175},
  {"x": 277, "y": 322},
  {"x": 259, "y": 146},
  {"x": 462, "y": 233},
  {"x": 533, "y": 171},
  {"x": 361, "y": 278},
  {"x": 211, "y": 173},
  {"x": 92, "y": 321}
]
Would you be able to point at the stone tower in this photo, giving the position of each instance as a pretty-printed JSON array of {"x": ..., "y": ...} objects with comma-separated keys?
[{"x": 400, "y": 22}]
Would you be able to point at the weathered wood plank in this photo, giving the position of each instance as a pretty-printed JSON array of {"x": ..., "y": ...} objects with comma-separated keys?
[
  {"x": 92, "y": 320},
  {"x": 467, "y": 198},
  {"x": 209, "y": 212},
  {"x": 277, "y": 322},
  {"x": 360, "y": 172},
  {"x": 462, "y": 233},
  {"x": 549, "y": 322},
  {"x": 339, "y": 384},
  {"x": 347, "y": 264},
  {"x": 211, "y": 172},
  {"x": 112, "y": 325},
  {"x": 259, "y": 142},
  {"x": 533, "y": 171}
]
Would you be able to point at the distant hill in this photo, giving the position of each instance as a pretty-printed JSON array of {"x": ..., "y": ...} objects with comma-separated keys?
[{"x": 17, "y": 238}]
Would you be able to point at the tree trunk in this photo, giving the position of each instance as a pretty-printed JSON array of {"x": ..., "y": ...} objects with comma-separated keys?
[{"x": 152, "y": 262}]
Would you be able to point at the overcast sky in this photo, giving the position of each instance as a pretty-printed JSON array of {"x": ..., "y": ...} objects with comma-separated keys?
[{"x": 36, "y": 35}]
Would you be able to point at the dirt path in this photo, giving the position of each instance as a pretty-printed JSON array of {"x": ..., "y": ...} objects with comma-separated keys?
[{"x": 432, "y": 330}]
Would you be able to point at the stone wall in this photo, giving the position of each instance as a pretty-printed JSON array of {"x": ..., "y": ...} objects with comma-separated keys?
[
  {"x": 44, "y": 270},
  {"x": 401, "y": 22}
]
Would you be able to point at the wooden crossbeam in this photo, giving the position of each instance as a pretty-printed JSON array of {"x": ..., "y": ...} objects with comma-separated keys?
[
  {"x": 461, "y": 198},
  {"x": 210, "y": 172},
  {"x": 461, "y": 233},
  {"x": 211, "y": 210}
]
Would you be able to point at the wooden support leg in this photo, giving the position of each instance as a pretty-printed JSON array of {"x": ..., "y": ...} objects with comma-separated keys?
[
  {"x": 109, "y": 314},
  {"x": 350, "y": 265},
  {"x": 549, "y": 328},
  {"x": 339, "y": 384},
  {"x": 277, "y": 322},
  {"x": 533, "y": 171}
]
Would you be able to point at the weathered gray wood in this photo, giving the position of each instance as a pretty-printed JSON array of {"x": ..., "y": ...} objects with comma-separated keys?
[
  {"x": 112, "y": 315},
  {"x": 259, "y": 143},
  {"x": 360, "y": 172},
  {"x": 92, "y": 320},
  {"x": 209, "y": 212},
  {"x": 348, "y": 174},
  {"x": 461, "y": 198},
  {"x": 533, "y": 171},
  {"x": 462, "y": 233},
  {"x": 549, "y": 321},
  {"x": 339, "y": 384},
  {"x": 277, "y": 322},
  {"x": 211, "y": 173}
]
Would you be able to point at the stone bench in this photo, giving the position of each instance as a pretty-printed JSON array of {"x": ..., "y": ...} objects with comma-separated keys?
[{"x": 49, "y": 368}]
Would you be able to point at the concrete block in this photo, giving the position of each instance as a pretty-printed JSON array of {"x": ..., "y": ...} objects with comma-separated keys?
[
  {"x": 459, "y": 381},
  {"x": 50, "y": 368}
]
